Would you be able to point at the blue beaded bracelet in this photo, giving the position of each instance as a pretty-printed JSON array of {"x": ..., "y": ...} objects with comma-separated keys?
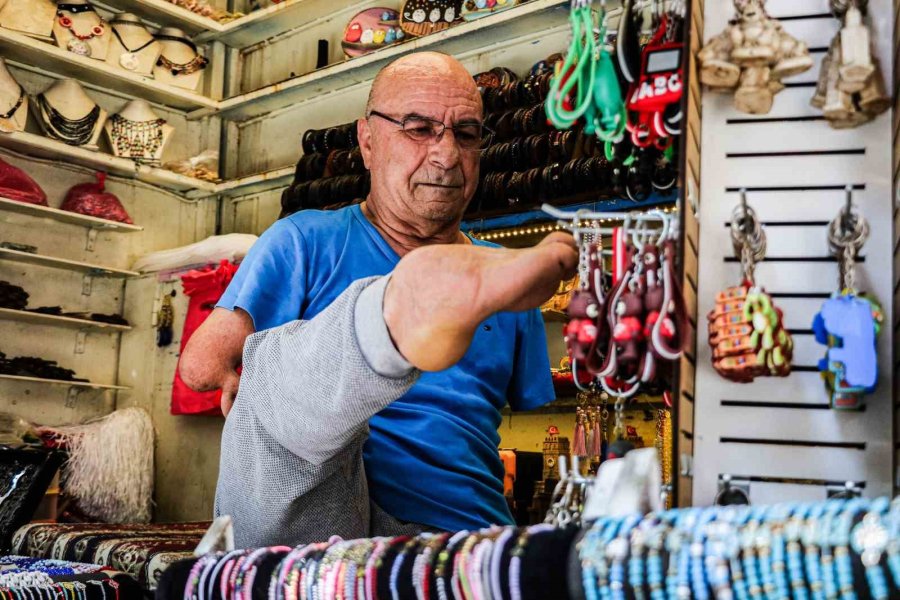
[{"x": 869, "y": 539}]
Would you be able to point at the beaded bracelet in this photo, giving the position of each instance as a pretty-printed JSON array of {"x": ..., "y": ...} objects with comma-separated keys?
[
  {"x": 748, "y": 539},
  {"x": 635, "y": 562},
  {"x": 721, "y": 548},
  {"x": 442, "y": 568},
  {"x": 370, "y": 585},
  {"x": 190, "y": 590},
  {"x": 698, "y": 572},
  {"x": 496, "y": 557},
  {"x": 476, "y": 567},
  {"x": 674, "y": 541},
  {"x": 680, "y": 582},
  {"x": 792, "y": 532},
  {"x": 464, "y": 559},
  {"x": 869, "y": 539},
  {"x": 655, "y": 542},
  {"x": 398, "y": 563},
  {"x": 810, "y": 536},
  {"x": 738, "y": 580},
  {"x": 893, "y": 548},
  {"x": 618, "y": 552},
  {"x": 518, "y": 554},
  {"x": 217, "y": 571},
  {"x": 841, "y": 542},
  {"x": 829, "y": 579},
  {"x": 250, "y": 569},
  {"x": 779, "y": 516}
]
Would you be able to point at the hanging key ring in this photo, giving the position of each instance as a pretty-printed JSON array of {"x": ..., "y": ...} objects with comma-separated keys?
[{"x": 847, "y": 233}]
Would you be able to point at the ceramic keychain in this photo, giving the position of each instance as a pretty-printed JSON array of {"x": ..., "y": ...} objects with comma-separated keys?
[
  {"x": 849, "y": 322},
  {"x": 746, "y": 332},
  {"x": 751, "y": 57},
  {"x": 583, "y": 331}
]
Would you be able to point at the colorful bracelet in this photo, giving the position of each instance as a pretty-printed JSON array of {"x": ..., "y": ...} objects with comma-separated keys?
[{"x": 870, "y": 539}]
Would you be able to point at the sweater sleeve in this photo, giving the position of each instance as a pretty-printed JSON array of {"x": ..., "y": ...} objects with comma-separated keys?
[{"x": 313, "y": 385}]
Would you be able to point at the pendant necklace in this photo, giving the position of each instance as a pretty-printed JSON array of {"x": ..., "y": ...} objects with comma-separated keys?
[
  {"x": 192, "y": 66},
  {"x": 129, "y": 59},
  {"x": 6, "y": 125},
  {"x": 79, "y": 43},
  {"x": 75, "y": 132},
  {"x": 138, "y": 140}
]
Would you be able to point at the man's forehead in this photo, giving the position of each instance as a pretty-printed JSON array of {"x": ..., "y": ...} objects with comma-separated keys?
[{"x": 431, "y": 96}]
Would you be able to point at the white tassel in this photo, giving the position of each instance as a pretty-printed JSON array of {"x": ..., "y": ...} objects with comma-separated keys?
[{"x": 110, "y": 466}]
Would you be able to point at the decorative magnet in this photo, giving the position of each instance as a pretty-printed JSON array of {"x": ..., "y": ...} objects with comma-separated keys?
[{"x": 370, "y": 30}]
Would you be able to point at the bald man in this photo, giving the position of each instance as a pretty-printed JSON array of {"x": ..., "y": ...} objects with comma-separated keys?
[{"x": 429, "y": 440}]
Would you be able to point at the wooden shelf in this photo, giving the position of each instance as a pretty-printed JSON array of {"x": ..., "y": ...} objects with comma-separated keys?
[
  {"x": 28, "y": 51},
  {"x": 44, "y": 147},
  {"x": 65, "y": 216},
  {"x": 26, "y": 316},
  {"x": 84, "y": 384},
  {"x": 259, "y": 182},
  {"x": 163, "y": 13},
  {"x": 63, "y": 263},
  {"x": 273, "y": 20},
  {"x": 528, "y": 19}
]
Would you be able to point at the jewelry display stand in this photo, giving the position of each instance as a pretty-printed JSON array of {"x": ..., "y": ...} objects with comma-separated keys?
[
  {"x": 138, "y": 133},
  {"x": 131, "y": 46},
  {"x": 68, "y": 100},
  {"x": 81, "y": 30},
  {"x": 13, "y": 102},
  {"x": 179, "y": 63},
  {"x": 31, "y": 17}
]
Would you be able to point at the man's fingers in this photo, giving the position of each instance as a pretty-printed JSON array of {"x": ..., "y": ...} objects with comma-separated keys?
[{"x": 229, "y": 392}]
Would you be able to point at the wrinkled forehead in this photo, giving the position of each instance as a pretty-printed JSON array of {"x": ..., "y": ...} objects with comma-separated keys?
[{"x": 437, "y": 90}]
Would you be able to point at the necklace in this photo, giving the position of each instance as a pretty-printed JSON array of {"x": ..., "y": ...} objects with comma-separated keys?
[
  {"x": 79, "y": 42},
  {"x": 192, "y": 66},
  {"x": 138, "y": 140},
  {"x": 5, "y": 124},
  {"x": 128, "y": 59},
  {"x": 75, "y": 132}
]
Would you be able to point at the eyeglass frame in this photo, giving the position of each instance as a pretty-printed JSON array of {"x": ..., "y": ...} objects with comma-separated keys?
[{"x": 487, "y": 134}]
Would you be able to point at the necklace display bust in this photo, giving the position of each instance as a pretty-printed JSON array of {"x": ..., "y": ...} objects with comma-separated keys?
[
  {"x": 13, "y": 102},
  {"x": 131, "y": 46},
  {"x": 138, "y": 133},
  {"x": 79, "y": 29},
  {"x": 68, "y": 114},
  {"x": 31, "y": 17},
  {"x": 179, "y": 62}
]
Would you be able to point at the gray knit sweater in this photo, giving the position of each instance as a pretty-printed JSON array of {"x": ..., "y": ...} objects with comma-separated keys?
[{"x": 291, "y": 467}]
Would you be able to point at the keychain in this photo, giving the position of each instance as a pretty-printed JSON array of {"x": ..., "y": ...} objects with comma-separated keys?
[
  {"x": 751, "y": 57},
  {"x": 849, "y": 322},
  {"x": 746, "y": 332}
]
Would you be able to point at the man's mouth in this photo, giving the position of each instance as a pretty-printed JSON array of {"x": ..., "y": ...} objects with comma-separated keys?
[{"x": 442, "y": 185}]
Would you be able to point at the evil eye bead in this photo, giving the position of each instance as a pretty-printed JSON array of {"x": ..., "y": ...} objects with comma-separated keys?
[{"x": 378, "y": 36}]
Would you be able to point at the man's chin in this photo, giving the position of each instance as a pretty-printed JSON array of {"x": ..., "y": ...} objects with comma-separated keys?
[{"x": 440, "y": 205}]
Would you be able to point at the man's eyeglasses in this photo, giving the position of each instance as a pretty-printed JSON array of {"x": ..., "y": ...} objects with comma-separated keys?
[{"x": 471, "y": 137}]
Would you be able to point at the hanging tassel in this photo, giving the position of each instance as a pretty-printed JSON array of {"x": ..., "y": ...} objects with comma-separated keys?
[
  {"x": 579, "y": 441},
  {"x": 110, "y": 467},
  {"x": 164, "y": 319},
  {"x": 596, "y": 445}
]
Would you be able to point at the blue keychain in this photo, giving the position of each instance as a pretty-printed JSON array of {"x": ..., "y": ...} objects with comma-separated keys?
[{"x": 848, "y": 322}]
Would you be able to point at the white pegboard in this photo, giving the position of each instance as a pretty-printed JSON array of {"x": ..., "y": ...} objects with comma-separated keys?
[{"x": 780, "y": 433}]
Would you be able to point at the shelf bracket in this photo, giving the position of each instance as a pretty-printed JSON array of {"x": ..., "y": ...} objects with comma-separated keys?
[
  {"x": 80, "y": 339},
  {"x": 87, "y": 285},
  {"x": 91, "y": 239},
  {"x": 72, "y": 396}
]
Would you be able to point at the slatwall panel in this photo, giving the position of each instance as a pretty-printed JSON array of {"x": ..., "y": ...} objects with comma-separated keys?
[
  {"x": 780, "y": 433},
  {"x": 684, "y": 418}
]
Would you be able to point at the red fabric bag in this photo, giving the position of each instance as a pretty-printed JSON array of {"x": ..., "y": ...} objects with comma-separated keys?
[
  {"x": 93, "y": 200},
  {"x": 15, "y": 184},
  {"x": 204, "y": 287}
]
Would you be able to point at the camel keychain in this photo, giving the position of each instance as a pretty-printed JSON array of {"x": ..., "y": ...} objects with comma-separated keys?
[
  {"x": 746, "y": 331},
  {"x": 849, "y": 322}
]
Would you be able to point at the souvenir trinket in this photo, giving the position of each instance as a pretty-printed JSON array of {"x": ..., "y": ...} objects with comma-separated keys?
[
  {"x": 79, "y": 42},
  {"x": 475, "y": 9},
  {"x": 421, "y": 17},
  {"x": 370, "y": 30}
]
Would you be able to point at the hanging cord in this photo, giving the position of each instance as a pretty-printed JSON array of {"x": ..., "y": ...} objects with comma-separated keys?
[
  {"x": 747, "y": 238},
  {"x": 577, "y": 70},
  {"x": 847, "y": 233}
]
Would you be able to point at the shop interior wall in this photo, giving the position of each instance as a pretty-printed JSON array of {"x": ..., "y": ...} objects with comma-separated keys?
[{"x": 169, "y": 221}]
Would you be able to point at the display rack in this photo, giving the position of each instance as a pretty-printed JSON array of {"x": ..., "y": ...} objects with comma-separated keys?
[
  {"x": 66, "y": 216},
  {"x": 71, "y": 384},
  {"x": 63, "y": 263},
  {"x": 526, "y": 19},
  {"x": 162, "y": 12},
  {"x": 27, "y": 316},
  {"x": 30, "y": 52}
]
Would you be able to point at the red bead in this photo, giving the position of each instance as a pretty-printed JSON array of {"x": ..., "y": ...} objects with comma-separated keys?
[{"x": 65, "y": 22}]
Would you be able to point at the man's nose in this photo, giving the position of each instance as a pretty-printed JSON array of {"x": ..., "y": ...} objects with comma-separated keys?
[{"x": 444, "y": 152}]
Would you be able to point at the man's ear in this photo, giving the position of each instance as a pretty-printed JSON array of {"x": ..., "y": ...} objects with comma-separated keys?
[{"x": 364, "y": 134}]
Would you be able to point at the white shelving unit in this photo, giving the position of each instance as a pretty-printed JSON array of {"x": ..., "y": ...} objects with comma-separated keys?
[
  {"x": 265, "y": 23},
  {"x": 25, "y": 316},
  {"x": 509, "y": 24},
  {"x": 259, "y": 182},
  {"x": 65, "y": 216},
  {"x": 162, "y": 12},
  {"x": 71, "y": 384},
  {"x": 30, "y": 52},
  {"x": 63, "y": 263}
]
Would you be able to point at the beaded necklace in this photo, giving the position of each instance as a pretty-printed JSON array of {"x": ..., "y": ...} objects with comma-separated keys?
[
  {"x": 75, "y": 132},
  {"x": 138, "y": 140},
  {"x": 78, "y": 44},
  {"x": 197, "y": 63},
  {"x": 9, "y": 114}
]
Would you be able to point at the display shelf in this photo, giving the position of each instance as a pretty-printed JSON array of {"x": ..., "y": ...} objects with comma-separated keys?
[
  {"x": 63, "y": 263},
  {"x": 257, "y": 183},
  {"x": 26, "y": 316},
  {"x": 44, "y": 147},
  {"x": 163, "y": 13},
  {"x": 84, "y": 384},
  {"x": 265, "y": 23},
  {"x": 30, "y": 52},
  {"x": 65, "y": 216},
  {"x": 527, "y": 19}
]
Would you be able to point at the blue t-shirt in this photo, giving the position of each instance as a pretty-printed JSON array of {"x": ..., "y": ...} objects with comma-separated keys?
[{"x": 431, "y": 457}]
